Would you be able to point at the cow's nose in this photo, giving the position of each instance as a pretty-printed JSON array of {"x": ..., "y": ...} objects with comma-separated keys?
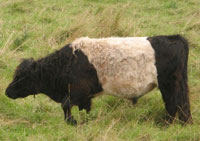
[{"x": 8, "y": 93}]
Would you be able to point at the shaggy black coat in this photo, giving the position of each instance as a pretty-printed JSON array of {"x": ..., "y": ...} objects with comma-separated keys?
[
  {"x": 171, "y": 53},
  {"x": 68, "y": 77},
  {"x": 65, "y": 77}
]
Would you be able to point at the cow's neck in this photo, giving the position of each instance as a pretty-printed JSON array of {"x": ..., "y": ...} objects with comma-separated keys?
[{"x": 53, "y": 74}]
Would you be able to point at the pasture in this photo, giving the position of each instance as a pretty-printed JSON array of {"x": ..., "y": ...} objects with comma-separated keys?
[{"x": 33, "y": 28}]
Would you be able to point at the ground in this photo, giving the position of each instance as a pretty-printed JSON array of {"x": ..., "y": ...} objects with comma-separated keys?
[{"x": 34, "y": 28}]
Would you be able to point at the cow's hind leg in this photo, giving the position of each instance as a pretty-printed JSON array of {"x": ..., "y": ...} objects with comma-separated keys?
[
  {"x": 174, "y": 91},
  {"x": 66, "y": 106},
  {"x": 183, "y": 97},
  {"x": 169, "y": 98},
  {"x": 171, "y": 54}
]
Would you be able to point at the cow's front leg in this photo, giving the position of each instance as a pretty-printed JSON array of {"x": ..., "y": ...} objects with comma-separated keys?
[
  {"x": 85, "y": 104},
  {"x": 66, "y": 106}
]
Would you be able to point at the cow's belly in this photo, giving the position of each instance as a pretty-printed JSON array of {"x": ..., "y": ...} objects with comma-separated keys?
[{"x": 129, "y": 88}]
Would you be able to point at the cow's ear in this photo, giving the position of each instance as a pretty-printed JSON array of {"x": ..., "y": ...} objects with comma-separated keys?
[
  {"x": 25, "y": 64},
  {"x": 34, "y": 65},
  {"x": 29, "y": 64},
  {"x": 29, "y": 60}
]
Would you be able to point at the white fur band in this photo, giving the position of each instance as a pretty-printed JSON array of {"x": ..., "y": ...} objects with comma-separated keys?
[{"x": 125, "y": 66}]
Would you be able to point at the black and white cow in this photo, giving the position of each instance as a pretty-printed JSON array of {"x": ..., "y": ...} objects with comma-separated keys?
[{"x": 124, "y": 67}]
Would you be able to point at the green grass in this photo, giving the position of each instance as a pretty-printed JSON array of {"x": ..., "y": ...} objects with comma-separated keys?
[{"x": 34, "y": 28}]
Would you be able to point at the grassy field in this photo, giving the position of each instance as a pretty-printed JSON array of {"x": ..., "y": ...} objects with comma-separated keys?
[{"x": 34, "y": 28}]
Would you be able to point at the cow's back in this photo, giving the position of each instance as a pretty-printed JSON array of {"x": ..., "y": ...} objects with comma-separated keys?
[{"x": 125, "y": 66}]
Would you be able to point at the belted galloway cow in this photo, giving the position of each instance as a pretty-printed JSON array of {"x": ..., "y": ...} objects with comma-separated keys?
[{"x": 126, "y": 67}]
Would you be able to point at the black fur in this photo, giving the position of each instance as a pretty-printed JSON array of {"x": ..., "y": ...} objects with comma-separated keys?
[
  {"x": 65, "y": 77},
  {"x": 70, "y": 79},
  {"x": 171, "y": 54}
]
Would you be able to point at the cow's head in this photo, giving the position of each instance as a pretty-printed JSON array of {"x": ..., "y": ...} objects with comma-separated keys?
[{"x": 24, "y": 80}]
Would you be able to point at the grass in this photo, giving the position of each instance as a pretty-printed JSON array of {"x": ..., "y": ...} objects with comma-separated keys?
[{"x": 33, "y": 28}]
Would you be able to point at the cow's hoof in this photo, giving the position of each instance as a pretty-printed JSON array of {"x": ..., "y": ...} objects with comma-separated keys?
[
  {"x": 168, "y": 120},
  {"x": 71, "y": 121}
]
